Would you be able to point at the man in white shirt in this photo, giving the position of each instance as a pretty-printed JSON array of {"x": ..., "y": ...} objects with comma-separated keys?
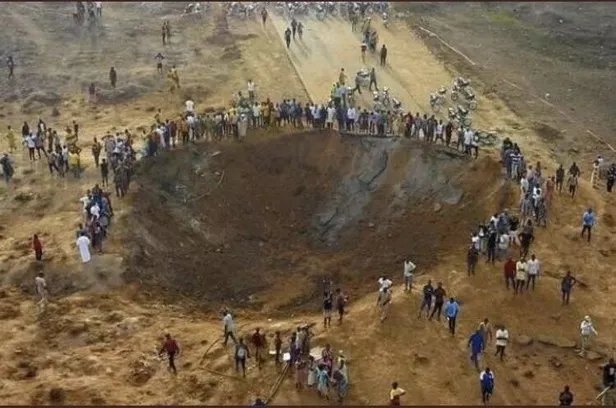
[
  {"x": 95, "y": 211},
  {"x": 228, "y": 327},
  {"x": 409, "y": 268},
  {"x": 190, "y": 106},
  {"x": 502, "y": 339},
  {"x": 439, "y": 132},
  {"x": 468, "y": 140},
  {"x": 256, "y": 115},
  {"x": 99, "y": 8},
  {"x": 251, "y": 89},
  {"x": 83, "y": 243},
  {"x": 41, "y": 290},
  {"x": 586, "y": 330},
  {"x": 331, "y": 116},
  {"x": 521, "y": 271},
  {"x": 85, "y": 202},
  {"x": 351, "y": 116},
  {"x": 533, "y": 267},
  {"x": 384, "y": 283}
]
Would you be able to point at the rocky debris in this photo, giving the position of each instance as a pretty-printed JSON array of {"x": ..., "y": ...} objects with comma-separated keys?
[
  {"x": 57, "y": 396},
  {"x": 593, "y": 356},
  {"x": 555, "y": 362},
  {"x": 140, "y": 372},
  {"x": 8, "y": 312},
  {"x": 129, "y": 324},
  {"x": 487, "y": 138},
  {"x": 515, "y": 383},
  {"x": 55, "y": 112},
  {"x": 421, "y": 359},
  {"x": 114, "y": 317},
  {"x": 523, "y": 340},
  {"x": 437, "y": 207},
  {"x": 554, "y": 341},
  {"x": 529, "y": 374},
  {"x": 25, "y": 370}
]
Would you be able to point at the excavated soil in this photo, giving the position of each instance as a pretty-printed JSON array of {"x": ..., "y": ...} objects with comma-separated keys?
[{"x": 234, "y": 223}]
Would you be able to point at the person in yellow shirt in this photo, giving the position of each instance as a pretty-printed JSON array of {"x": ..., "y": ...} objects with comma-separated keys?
[
  {"x": 73, "y": 161},
  {"x": 10, "y": 137}
]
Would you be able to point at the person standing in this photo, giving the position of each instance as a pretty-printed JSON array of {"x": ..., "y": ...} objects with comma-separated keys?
[
  {"x": 502, "y": 339},
  {"x": 41, "y": 291},
  {"x": 572, "y": 183},
  {"x": 586, "y": 331},
  {"x": 439, "y": 300},
  {"x": 521, "y": 268},
  {"x": 485, "y": 328},
  {"x": 258, "y": 341},
  {"x": 172, "y": 349},
  {"x": 533, "y": 268},
  {"x": 328, "y": 305},
  {"x": 588, "y": 222},
  {"x": 566, "y": 397},
  {"x": 113, "y": 77},
  {"x": 560, "y": 178},
  {"x": 383, "y": 302},
  {"x": 383, "y": 55},
  {"x": 395, "y": 393},
  {"x": 83, "y": 243},
  {"x": 409, "y": 268},
  {"x": 451, "y": 312},
  {"x": 228, "y": 327},
  {"x": 509, "y": 270},
  {"x": 475, "y": 342},
  {"x": 10, "y": 63},
  {"x": 373, "y": 81},
  {"x": 38, "y": 248},
  {"x": 96, "y": 151},
  {"x": 241, "y": 354},
  {"x": 472, "y": 257},
  {"x": 341, "y": 301},
  {"x": 609, "y": 373},
  {"x": 486, "y": 380},
  {"x": 566, "y": 285},
  {"x": 426, "y": 302},
  {"x": 104, "y": 173}
]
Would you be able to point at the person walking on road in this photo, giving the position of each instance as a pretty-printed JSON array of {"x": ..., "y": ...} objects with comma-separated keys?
[
  {"x": 287, "y": 37},
  {"x": 486, "y": 380},
  {"x": 451, "y": 312},
  {"x": 373, "y": 80},
  {"x": 383, "y": 55},
  {"x": 476, "y": 343},
  {"x": 502, "y": 338},
  {"x": 588, "y": 222}
]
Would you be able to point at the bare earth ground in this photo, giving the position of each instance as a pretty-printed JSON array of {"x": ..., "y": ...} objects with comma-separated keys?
[{"x": 257, "y": 226}]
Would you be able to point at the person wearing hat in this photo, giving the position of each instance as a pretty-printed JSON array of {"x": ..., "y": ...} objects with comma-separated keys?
[{"x": 586, "y": 330}]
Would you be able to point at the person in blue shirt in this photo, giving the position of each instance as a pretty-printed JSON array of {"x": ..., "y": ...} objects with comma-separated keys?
[
  {"x": 588, "y": 221},
  {"x": 451, "y": 312},
  {"x": 486, "y": 379},
  {"x": 476, "y": 344}
]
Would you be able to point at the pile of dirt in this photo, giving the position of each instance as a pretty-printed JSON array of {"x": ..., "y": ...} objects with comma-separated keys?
[{"x": 225, "y": 223}]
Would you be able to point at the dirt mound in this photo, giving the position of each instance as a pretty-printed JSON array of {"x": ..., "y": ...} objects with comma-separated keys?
[{"x": 231, "y": 223}]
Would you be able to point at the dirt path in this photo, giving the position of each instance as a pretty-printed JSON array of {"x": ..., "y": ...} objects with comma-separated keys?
[{"x": 411, "y": 74}]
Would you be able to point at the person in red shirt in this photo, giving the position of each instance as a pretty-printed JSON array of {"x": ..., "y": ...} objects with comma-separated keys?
[
  {"x": 510, "y": 272},
  {"x": 38, "y": 247},
  {"x": 172, "y": 349}
]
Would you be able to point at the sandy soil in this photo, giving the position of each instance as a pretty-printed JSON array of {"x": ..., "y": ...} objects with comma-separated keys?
[{"x": 290, "y": 210}]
